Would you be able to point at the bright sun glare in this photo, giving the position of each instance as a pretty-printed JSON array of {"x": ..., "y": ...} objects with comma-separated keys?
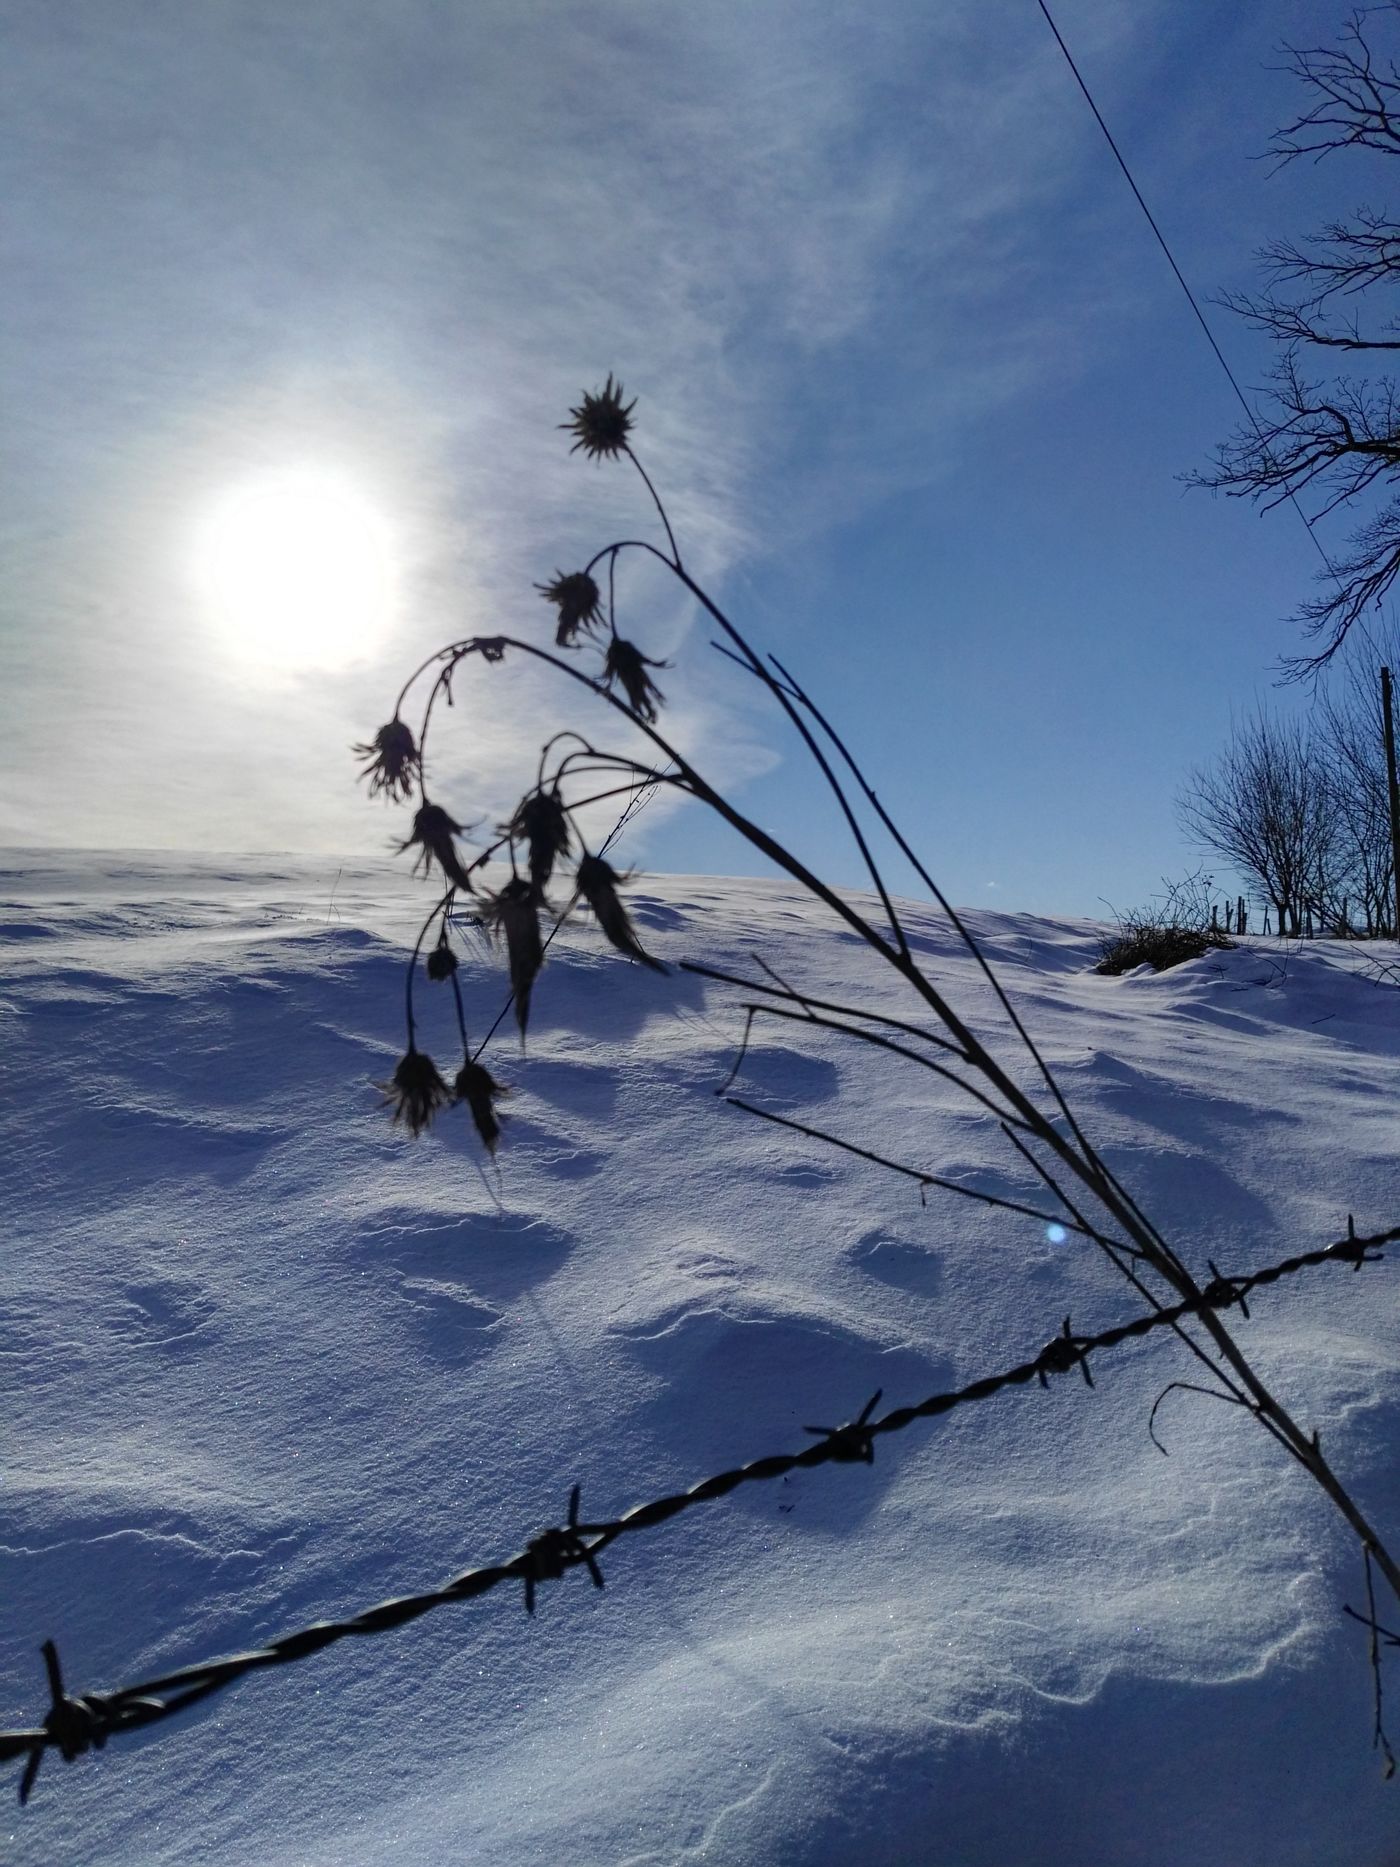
[{"x": 296, "y": 567}]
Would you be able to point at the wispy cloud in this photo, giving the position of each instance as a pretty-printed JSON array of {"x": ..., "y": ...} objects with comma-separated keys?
[{"x": 401, "y": 238}]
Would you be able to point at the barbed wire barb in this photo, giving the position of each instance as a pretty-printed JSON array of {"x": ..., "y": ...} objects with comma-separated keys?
[
  {"x": 548, "y": 1555},
  {"x": 1063, "y": 1352},
  {"x": 851, "y": 1443}
]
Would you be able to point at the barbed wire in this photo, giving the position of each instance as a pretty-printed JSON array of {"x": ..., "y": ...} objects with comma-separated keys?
[{"x": 77, "y": 1723}]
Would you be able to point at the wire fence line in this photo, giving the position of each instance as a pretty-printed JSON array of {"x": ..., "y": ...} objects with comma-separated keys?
[{"x": 77, "y": 1723}]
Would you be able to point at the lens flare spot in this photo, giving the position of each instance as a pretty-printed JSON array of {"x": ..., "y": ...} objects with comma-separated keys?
[{"x": 1056, "y": 1234}]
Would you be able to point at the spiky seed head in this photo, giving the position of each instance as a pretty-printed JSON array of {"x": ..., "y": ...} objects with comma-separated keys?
[
  {"x": 513, "y": 915},
  {"x": 433, "y": 831},
  {"x": 541, "y": 822},
  {"x": 598, "y": 883},
  {"x": 476, "y": 1086},
  {"x": 441, "y": 962},
  {"x": 393, "y": 761},
  {"x": 578, "y": 600},
  {"x": 416, "y": 1090},
  {"x": 626, "y": 664},
  {"x": 601, "y": 422}
]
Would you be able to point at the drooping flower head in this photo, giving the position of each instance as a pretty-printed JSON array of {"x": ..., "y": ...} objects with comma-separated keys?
[
  {"x": 416, "y": 1090},
  {"x": 513, "y": 916},
  {"x": 393, "y": 761},
  {"x": 441, "y": 962},
  {"x": 541, "y": 822},
  {"x": 433, "y": 831},
  {"x": 578, "y": 600},
  {"x": 629, "y": 665},
  {"x": 598, "y": 884},
  {"x": 601, "y": 422},
  {"x": 476, "y": 1086}
]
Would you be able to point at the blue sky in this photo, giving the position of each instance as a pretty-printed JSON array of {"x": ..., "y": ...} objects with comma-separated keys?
[{"x": 915, "y": 379}]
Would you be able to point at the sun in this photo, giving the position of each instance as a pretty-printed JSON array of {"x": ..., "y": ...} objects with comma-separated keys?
[{"x": 296, "y": 568}]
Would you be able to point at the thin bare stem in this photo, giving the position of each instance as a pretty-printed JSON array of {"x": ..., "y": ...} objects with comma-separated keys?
[
  {"x": 895, "y": 1049},
  {"x": 754, "y": 664},
  {"x": 821, "y": 1004},
  {"x": 1379, "y": 1739},
  {"x": 443, "y": 908},
  {"x": 803, "y": 698},
  {"x": 1187, "y": 1387},
  {"x": 922, "y": 1179},
  {"x": 656, "y": 500}
]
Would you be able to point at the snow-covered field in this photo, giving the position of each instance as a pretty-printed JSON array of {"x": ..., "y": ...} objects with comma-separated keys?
[{"x": 266, "y": 1359}]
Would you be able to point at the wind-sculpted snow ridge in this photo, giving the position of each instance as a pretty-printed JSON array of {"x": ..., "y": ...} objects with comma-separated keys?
[{"x": 273, "y": 1361}]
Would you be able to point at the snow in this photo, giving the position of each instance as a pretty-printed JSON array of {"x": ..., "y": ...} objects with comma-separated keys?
[{"x": 269, "y": 1360}]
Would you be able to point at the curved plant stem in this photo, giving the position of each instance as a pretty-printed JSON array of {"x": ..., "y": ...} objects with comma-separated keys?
[
  {"x": 443, "y": 908},
  {"x": 1144, "y": 1244}
]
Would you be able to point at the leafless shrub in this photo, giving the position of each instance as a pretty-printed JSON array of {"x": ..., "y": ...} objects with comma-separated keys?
[{"x": 1180, "y": 924}]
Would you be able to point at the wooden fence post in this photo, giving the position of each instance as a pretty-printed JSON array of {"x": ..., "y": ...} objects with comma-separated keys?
[{"x": 1389, "y": 720}]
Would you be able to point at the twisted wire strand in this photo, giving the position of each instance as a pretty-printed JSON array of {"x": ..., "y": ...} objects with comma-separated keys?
[{"x": 81, "y": 1722}]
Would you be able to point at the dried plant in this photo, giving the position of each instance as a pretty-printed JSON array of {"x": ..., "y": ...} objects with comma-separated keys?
[
  {"x": 433, "y": 833},
  {"x": 1068, "y": 1182},
  {"x": 478, "y": 1088},
  {"x": 600, "y": 423},
  {"x": 578, "y": 601},
  {"x": 628, "y": 667},
  {"x": 393, "y": 761},
  {"x": 1178, "y": 925},
  {"x": 542, "y": 824},
  {"x": 513, "y": 915},
  {"x": 416, "y": 1090},
  {"x": 441, "y": 963},
  {"x": 598, "y": 884}
]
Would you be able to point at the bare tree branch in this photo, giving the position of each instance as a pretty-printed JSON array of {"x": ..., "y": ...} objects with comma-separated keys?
[
  {"x": 1331, "y": 295},
  {"x": 1264, "y": 805}
]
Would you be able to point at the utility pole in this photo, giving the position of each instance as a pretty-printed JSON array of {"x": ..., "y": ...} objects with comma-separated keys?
[{"x": 1389, "y": 719}]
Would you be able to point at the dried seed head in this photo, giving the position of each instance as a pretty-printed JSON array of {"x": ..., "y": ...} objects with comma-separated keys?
[
  {"x": 513, "y": 916},
  {"x": 542, "y": 824},
  {"x": 491, "y": 647},
  {"x": 417, "y": 1091},
  {"x": 598, "y": 884},
  {"x": 601, "y": 423},
  {"x": 578, "y": 601},
  {"x": 441, "y": 962},
  {"x": 393, "y": 761},
  {"x": 476, "y": 1086},
  {"x": 433, "y": 831},
  {"x": 629, "y": 665}
]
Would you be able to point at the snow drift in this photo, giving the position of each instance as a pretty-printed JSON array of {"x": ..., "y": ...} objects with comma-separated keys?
[{"x": 268, "y": 1360}]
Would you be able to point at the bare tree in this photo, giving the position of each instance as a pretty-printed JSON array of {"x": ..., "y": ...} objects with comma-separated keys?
[
  {"x": 1328, "y": 437},
  {"x": 1264, "y": 804},
  {"x": 1351, "y": 739}
]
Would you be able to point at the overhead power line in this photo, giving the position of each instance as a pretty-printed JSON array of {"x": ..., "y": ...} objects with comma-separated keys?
[{"x": 1161, "y": 240}]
